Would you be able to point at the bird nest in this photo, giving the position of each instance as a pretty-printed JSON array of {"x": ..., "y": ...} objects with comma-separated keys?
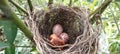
[{"x": 83, "y": 36}]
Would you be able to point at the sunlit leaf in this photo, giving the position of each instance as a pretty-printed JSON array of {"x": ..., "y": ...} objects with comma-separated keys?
[
  {"x": 115, "y": 47},
  {"x": 90, "y": 0},
  {"x": 62, "y": 0},
  {"x": 117, "y": 37},
  {"x": 34, "y": 51},
  {"x": 75, "y": 0}
]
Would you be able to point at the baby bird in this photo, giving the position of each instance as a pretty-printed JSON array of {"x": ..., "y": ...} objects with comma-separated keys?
[
  {"x": 58, "y": 38},
  {"x": 64, "y": 37},
  {"x": 57, "y": 29},
  {"x": 55, "y": 40}
]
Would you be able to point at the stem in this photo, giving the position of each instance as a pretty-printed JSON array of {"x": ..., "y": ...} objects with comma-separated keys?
[
  {"x": 99, "y": 10},
  {"x": 30, "y": 5},
  {"x": 115, "y": 20},
  {"x": 70, "y": 3},
  {"x": 50, "y": 2},
  {"x": 4, "y": 6},
  {"x": 24, "y": 46},
  {"x": 17, "y": 6}
]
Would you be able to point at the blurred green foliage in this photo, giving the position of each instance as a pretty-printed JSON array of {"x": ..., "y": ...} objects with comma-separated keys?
[{"x": 17, "y": 43}]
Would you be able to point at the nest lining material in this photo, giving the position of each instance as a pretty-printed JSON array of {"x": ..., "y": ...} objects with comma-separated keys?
[{"x": 75, "y": 22}]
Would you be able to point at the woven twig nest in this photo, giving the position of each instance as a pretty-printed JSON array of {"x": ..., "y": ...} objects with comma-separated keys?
[{"x": 75, "y": 22}]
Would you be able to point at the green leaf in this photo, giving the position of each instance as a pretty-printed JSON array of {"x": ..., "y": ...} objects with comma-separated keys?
[
  {"x": 3, "y": 45},
  {"x": 75, "y": 0},
  {"x": 34, "y": 50},
  {"x": 19, "y": 53},
  {"x": 117, "y": 0},
  {"x": 10, "y": 30},
  {"x": 115, "y": 47},
  {"x": 90, "y": 0},
  {"x": 10, "y": 50}
]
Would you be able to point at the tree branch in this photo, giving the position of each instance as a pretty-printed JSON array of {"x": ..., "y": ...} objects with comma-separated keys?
[
  {"x": 25, "y": 46},
  {"x": 50, "y": 2},
  {"x": 4, "y": 6},
  {"x": 115, "y": 19},
  {"x": 99, "y": 10},
  {"x": 17, "y": 6},
  {"x": 70, "y": 3},
  {"x": 30, "y": 5}
]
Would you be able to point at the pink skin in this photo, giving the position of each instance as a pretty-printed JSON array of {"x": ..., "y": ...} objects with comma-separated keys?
[
  {"x": 64, "y": 37},
  {"x": 55, "y": 40},
  {"x": 57, "y": 29}
]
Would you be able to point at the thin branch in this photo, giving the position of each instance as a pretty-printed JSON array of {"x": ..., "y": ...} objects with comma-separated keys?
[
  {"x": 50, "y": 2},
  {"x": 114, "y": 19},
  {"x": 30, "y": 5},
  {"x": 24, "y": 46},
  {"x": 18, "y": 6},
  {"x": 70, "y": 3},
  {"x": 99, "y": 10},
  {"x": 6, "y": 9}
]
